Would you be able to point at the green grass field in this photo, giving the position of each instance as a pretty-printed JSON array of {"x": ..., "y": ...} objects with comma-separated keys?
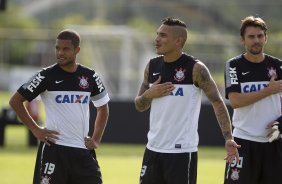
[{"x": 120, "y": 163}]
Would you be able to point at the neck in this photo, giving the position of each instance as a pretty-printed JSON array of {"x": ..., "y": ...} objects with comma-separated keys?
[
  {"x": 254, "y": 58},
  {"x": 69, "y": 68},
  {"x": 169, "y": 58}
]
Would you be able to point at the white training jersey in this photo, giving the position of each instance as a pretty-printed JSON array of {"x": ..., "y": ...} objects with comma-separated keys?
[
  {"x": 66, "y": 97},
  {"x": 174, "y": 118},
  {"x": 242, "y": 76}
]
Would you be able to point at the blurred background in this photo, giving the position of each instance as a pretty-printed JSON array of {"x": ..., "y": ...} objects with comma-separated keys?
[
  {"x": 118, "y": 35},
  {"x": 118, "y": 41}
]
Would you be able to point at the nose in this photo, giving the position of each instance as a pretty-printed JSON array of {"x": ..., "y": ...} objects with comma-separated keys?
[
  {"x": 157, "y": 39},
  {"x": 256, "y": 39},
  {"x": 60, "y": 52}
]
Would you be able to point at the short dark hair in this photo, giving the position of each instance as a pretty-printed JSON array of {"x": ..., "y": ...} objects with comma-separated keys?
[
  {"x": 170, "y": 21},
  {"x": 72, "y": 35},
  {"x": 254, "y": 22}
]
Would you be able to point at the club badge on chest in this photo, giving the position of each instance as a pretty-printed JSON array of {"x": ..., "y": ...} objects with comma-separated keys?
[
  {"x": 83, "y": 83},
  {"x": 180, "y": 74}
]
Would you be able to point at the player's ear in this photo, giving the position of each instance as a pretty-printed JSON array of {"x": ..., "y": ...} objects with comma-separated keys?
[
  {"x": 77, "y": 49},
  {"x": 266, "y": 37},
  {"x": 242, "y": 40}
]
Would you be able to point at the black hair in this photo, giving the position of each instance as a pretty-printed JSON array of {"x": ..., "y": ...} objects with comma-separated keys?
[
  {"x": 70, "y": 35},
  {"x": 252, "y": 21},
  {"x": 170, "y": 21}
]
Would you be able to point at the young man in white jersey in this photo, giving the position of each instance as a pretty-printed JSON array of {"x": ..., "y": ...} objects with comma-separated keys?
[
  {"x": 66, "y": 89},
  {"x": 172, "y": 87},
  {"x": 253, "y": 86}
]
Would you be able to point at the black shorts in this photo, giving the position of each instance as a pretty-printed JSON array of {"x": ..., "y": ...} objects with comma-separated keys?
[
  {"x": 169, "y": 168},
  {"x": 66, "y": 165},
  {"x": 260, "y": 163}
]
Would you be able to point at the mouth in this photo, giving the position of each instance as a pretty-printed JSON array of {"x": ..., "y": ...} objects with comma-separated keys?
[
  {"x": 60, "y": 59},
  {"x": 257, "y": 45}
]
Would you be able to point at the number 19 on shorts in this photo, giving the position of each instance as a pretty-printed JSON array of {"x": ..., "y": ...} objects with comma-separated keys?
[{"x": 49, "y": 168}]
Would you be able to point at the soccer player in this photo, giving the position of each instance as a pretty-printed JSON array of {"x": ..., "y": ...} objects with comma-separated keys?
[
  {"x": 66, "y": 89},
  {"x": 172, "y": 87},
  {"x": 253, "y": 86}
]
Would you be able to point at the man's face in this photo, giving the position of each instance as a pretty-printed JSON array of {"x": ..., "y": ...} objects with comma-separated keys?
[
  {"x": 254, "y": 40},
  {"x": 165, "y": 41},
  {"x": 65, "y": 52}
]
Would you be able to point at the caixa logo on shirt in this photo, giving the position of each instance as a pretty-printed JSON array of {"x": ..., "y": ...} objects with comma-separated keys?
[
  {"x": 253, "y": 86},
  {"x": 83, "y": 99},
  {"x": 177, "y": 92}
]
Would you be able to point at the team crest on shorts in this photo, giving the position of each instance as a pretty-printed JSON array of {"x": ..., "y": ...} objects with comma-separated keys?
[
  {"x": 45, "y": 180},
  {"x": 179, "y": 76},
  {"x": 83, "y": 83},
  {"x": 271, "y": 72},
  {"x": 235, "y": 174}
]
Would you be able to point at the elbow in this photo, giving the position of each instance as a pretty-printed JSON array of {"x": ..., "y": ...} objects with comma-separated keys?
[
  {"x": 138, "y": 109},
  {"x": 16, "y": 100},
  {"x": 236, "y": 100},
  {"x": 137, "y": 106},
  {"x": 12, "y": 102},
  {"x": 140, "y": 105},
  {"x": 234, "y": 105}
]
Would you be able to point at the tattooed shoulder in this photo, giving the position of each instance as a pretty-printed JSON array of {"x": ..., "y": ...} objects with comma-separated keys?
[{"x": 201, "y": 74}]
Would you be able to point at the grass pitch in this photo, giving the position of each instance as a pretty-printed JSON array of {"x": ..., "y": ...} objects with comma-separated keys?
[{"x": 120, "y": 163}]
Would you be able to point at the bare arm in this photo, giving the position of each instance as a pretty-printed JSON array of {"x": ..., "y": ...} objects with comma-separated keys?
[
  {"x": 100, "y": 125},
  {"x": 17, "y": 103},
  {"x": 146, "y": 93},
  {"x": 143, "y": 102},
  {"x": 243, "y": 99},
  {"x": 203, "y": 79}
]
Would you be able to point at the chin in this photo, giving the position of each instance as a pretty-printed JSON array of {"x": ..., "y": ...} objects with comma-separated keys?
[
  {"x": 159, "y": 52},
  {"x": 256, "y": 52},
  {"x": 62, "y": 64}
]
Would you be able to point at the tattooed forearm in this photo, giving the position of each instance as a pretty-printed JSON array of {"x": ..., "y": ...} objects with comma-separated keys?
[
  {"x": 141, "y": 102},
  {"x": 223, "y": 119}
]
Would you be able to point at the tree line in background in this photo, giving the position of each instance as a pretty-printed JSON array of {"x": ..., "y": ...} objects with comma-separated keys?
[{"x": 213, "y": 26}]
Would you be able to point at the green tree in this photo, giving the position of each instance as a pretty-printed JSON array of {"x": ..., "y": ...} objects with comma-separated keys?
[{"x": 13, "y": 17}]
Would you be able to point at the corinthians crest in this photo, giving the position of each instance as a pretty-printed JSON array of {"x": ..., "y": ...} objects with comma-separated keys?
[
  {"x": 271, "y": 72},
  {"x": 83, "y": 83},
  {"x": 235, "y": 174},
  {"x": 179, "y": 76},
  {"x": 45, "y": 180}
]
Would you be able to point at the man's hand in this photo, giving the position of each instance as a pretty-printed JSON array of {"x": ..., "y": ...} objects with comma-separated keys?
[
  {"x": 90, "y": 143},
  {"x": 275, "y": 86},
  {"x": 45, "y": 135},
  {"x": 159, "y": 90},
  {"x": 232, "y": 150},
  {"x": 274, "y": 131}
]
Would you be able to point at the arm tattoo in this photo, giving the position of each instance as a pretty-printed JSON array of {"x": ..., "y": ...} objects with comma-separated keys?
[
  {"x": 142, "y": 103},
  {"x": 204, "y": 80}
]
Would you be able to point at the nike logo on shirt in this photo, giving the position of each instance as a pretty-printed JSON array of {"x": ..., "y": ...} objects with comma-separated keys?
[
  {"x": 156, "y": 73},
  {"x": 245, "y": 73},
  {"x": 57, "y": 82}
]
